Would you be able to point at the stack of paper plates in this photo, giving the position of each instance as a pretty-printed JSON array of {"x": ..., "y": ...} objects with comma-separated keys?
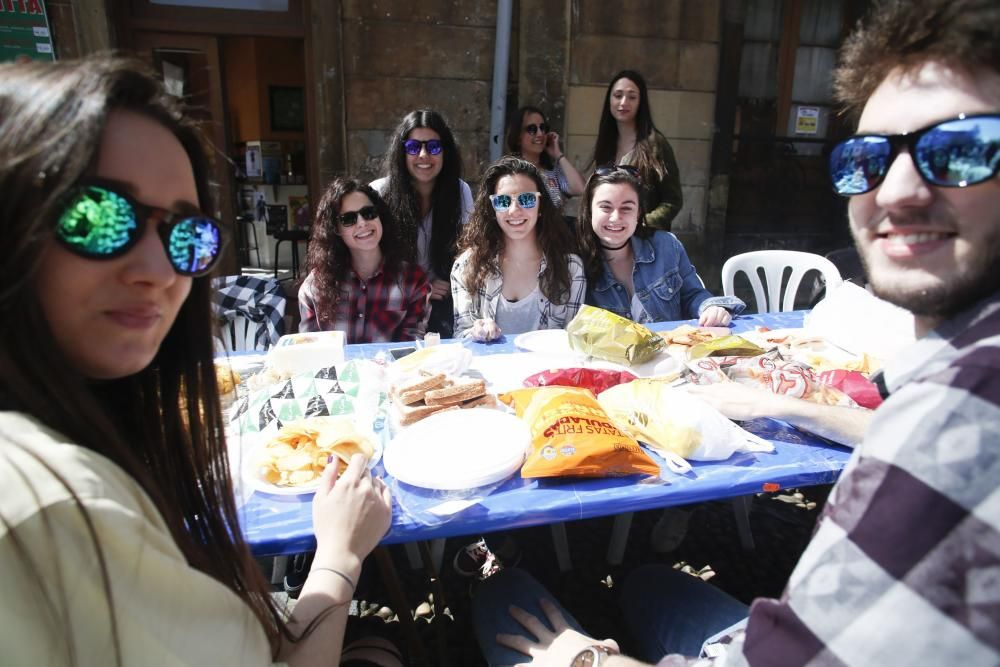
[{"x": 458, "y": 449}]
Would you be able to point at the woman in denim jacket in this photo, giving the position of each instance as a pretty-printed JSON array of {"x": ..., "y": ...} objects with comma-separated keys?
[{"x": 633, "y": 271}]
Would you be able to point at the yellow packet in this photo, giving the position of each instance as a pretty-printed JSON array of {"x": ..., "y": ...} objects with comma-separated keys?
[{"x": 602, "y": 334}]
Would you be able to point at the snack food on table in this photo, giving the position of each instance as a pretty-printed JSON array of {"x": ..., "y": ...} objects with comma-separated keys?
[
  {"x": 426, "y": 394},
  {"x": 226, "y": 377},
  {"x": 594, "y": 379},
  {"x": 726, "y": 346},
  {"x": 602, "y": 334},
  {"x": 679, "y": 426},
  {"x": 299, "y": 452},
  {"x": 686, "y": 336},
  {"x": 572, "y": 435}
]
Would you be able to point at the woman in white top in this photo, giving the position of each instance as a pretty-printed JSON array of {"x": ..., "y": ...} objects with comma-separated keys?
[
  {"x": 120, "y": 541},
  {"x": 513, "y": 273},
  {"x": 429, "y": 200}
]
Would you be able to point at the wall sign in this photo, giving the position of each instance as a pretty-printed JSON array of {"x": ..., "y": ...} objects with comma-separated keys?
[
  {"x": 24, "y": 31},
  {"x": 806, "y": 120}
]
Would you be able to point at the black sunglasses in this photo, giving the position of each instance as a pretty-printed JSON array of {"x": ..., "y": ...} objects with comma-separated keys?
[
  {"x": 535, "y": 129},
  {"x": 952, "y": 153},
  {"x": 99, "y": 221},
  {"x": 612, "y": 168},
  {"x": 413, "y": 146},
  {"x": 350, "y": 218}
]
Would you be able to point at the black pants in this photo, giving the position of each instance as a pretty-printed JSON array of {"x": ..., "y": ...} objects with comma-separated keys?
[{"x": 442, "y": 319}]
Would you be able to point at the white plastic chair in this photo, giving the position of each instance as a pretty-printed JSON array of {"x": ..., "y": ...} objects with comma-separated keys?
[
  {"x": 238, "y": 335},
  {"x": 776, "y": 264}
]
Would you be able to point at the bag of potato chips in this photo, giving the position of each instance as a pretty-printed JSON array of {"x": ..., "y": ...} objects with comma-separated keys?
[
  {"x": 571, "y": 435},
  {"x": 602, "y": 334}
]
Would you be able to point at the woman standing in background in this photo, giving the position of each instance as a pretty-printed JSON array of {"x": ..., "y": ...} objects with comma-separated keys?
[
  {"x": 627, "y": 136},
  {"x": 429, "y": 201},
  {"x": 529, "y": 136}
]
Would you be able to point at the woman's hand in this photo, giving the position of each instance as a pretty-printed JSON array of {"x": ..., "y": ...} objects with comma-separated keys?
[
  {"x": 350, "y": 515},
  {"x": 556, "y": 648},
  {"x": 552, "y": 146},
  {"x": 715, "y": 316},
  {"x": 485, "y": 330},
  {"x": 440, "y": 289}
]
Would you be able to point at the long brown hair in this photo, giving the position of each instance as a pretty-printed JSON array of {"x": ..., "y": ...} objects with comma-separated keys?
[
  {"x": 513, "y": 140},
  {"x": 330, "y": 258},
  {"x": 590, "y": 246},
  {"x": 606, "y": 146},
  {"x": 485, "y": 239},
  {"x": 162, "y": 425}
]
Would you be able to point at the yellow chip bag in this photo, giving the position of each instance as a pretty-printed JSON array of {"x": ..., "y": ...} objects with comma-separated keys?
[
  {"x": 602, "y": 334},
  {"x": 571, "y": 435}
]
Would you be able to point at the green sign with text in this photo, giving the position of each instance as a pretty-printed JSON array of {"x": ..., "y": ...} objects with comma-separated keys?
[{"x": 24, "y": 31}]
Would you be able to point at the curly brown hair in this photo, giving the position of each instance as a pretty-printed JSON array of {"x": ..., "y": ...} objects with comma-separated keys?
[
  {"x": 485, "y": 239},
  {"x": 590, "y": 245},
  {"x": 329, "y": 257},
  {"x": 908, "y": 33}
]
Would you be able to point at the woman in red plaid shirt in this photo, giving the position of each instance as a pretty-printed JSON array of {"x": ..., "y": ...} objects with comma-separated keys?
[{"x": 358, "y": 282}]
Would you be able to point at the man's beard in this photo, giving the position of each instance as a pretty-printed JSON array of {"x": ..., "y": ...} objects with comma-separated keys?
[{"x": 969, "y": 284}]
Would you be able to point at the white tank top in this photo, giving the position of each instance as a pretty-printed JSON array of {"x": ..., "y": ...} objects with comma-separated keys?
[{"x": 516, "y": 317}]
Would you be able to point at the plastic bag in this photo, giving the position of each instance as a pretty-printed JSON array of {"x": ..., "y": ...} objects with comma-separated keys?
[
  {"x": 571, "y": 435},
  {"x": 679, "y": 426},
  {"x": 602, "y": 334},
  {"x": 594, "y": 379}
]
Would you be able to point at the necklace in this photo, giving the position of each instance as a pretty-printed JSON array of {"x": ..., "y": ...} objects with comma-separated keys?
[{"x": 608, "y": 247}]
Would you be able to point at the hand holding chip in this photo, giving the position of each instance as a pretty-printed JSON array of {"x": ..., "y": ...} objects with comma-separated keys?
[{"x": 351, "y": 514}]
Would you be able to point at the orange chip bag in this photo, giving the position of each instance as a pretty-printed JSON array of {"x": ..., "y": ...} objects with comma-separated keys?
[{"x": 572, "y": 435}]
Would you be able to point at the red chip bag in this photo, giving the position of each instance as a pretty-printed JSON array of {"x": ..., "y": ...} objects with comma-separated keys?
[
  {"x": 594, "y": 379},
  {"x": 854, "y": 384},
  {"x": 572, "y": 435}
]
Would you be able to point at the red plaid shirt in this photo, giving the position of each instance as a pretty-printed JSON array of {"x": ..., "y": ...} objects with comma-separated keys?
[{"x": 388, "y": 307}]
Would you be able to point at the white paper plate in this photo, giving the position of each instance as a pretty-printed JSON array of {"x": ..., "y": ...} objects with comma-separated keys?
[
  {"x": 545, "y": 341},
  {"x": 254, "y": 443},
  {"x": 458, "y": 449}
]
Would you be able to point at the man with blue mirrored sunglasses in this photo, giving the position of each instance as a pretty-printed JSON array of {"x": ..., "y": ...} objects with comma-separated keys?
[{"x": 902, "y": 568}]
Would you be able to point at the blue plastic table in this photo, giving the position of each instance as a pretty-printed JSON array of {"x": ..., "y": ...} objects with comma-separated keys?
[{"x": 276, "y": 525}]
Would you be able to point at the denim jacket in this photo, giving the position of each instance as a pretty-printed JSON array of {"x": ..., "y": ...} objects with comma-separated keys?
[{"x": 665, "y": 282}]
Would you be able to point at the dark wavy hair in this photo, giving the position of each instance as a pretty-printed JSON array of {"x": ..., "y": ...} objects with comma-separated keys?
[
  {"x": 485, "y": 239},
  {"x": 329, "y": 257},
  {"x": 606, "y": 146},
  {"x": 590, "y": 245},
  {"x": 514, "y": 124},
  {"x": 402, "y": 199},
  {"x": 163, "y": 425},
  {"x": 908, "y": 33}
]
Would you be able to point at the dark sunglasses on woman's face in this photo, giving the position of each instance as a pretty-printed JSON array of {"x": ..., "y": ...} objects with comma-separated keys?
[
  {"x": 350, "y": 218},
  {"x": 952, "y": 153},
  {"x": 612, "y": 168},
  {"x": 535, "y": 129},
  {"x": 413, "y": 146},
  {"x": 99, "y": 221}
]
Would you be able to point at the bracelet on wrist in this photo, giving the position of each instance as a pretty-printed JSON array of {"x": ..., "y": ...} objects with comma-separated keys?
[{"x": 350, "y": 582}]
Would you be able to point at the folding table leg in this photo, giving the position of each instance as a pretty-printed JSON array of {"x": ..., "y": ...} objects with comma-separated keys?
[
  {"x": 619, "y": 538},
  {"x": 413, "y": 555},
  {"x": 561, "y": 545},
  {"x": 741, "y": 510},
  {"x": 278, "y": 568},
  {"x": 386, "y": 568}
]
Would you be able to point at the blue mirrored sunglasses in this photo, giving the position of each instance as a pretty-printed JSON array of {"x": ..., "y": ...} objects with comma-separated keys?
[
  {"x": 98, "y": 221},
  {"x": 503, "y": 203},
  {"x": 953, "y": 153}
]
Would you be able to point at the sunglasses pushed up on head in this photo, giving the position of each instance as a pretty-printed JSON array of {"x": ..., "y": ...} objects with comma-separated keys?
[
  {"x": 99, "y": 221},
  {"x": 953, "y": 153},
  {"x": 607, "y": 169}
]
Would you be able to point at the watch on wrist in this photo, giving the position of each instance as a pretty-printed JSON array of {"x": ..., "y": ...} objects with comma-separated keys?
[{"x": 592, "y": 656}]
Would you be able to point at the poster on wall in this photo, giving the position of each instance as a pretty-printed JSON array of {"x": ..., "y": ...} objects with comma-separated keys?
[
  {"x": 24, "y": 31},
  {"x": 807, "y": 120}
]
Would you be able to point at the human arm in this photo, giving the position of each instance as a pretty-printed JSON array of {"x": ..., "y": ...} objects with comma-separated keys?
[
  {"x": 666, "y": 188},
  {"x": 559, "y": 646},
  {"x": 470, "y": 320},
  {"x": 416, "y": 291},
  {"x": 350, "y": 515},
  {"x": 309, "y": 318},
  {"x": 439, "y": 289},
  {"x": 574, "y": 181},
  {"x": 843, "y": 425}
]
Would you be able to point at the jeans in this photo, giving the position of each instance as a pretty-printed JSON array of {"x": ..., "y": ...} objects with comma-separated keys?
[{"x": 666, "y": 611}]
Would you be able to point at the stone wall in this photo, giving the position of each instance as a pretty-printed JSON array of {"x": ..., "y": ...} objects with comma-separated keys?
[
  {"x": 674, "y": 44},
  {"x": 399, "y": 56}
]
